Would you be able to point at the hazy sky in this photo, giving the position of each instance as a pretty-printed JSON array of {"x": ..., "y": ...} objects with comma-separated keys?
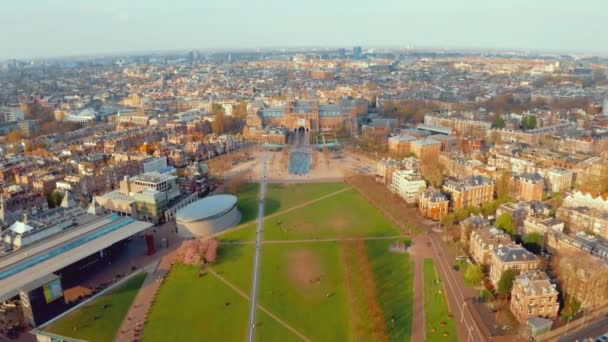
[{"x": 38, "y": 28}]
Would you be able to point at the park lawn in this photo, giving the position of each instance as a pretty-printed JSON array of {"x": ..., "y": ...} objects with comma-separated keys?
[
  {"x": 235, "y": 263},
  {"x": 393, "y": 276},
  {"x": 105, "y": 327},
  {"x": 288, "y": 288},
  {"x": 439, "y": 322},
  {"x": 192, "y": 308},
  {"x": 284, "y": 196},
  {"x": 344, "y": 215},
  {"x": 278, "y": 197},
  {"x": 248, "y": 202}
]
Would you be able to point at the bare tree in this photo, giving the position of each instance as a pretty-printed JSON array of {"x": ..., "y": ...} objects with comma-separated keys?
[
  {"x": 432, "y": 170},
  {"x": 582, "y": 277}
]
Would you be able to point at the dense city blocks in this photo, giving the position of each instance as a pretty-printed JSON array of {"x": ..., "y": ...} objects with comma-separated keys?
[{"x": 322, "y": 171}]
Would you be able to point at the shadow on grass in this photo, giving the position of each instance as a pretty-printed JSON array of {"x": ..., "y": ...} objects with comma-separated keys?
[
  {"x": 271, "y": 206},
  {"x": 229, "y": 253}
]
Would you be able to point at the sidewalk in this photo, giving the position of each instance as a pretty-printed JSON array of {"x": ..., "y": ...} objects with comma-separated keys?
[{"x": 132, "y": 326}]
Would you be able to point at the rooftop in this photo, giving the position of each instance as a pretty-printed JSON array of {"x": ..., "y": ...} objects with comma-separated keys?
[{"x": 206, "y": 208}]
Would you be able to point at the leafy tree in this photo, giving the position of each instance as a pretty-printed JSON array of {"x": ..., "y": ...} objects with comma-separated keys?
[
  {"x": 505, "y": 284},
  {"x": 533, "y": 242},
  {"x": 54, "y": 199},
  {"x": 528, "y": 122},
  {"x": 498, "y": 122},
  {"x": 473, "y": 275},
  {"x": 505, "y": 222}
]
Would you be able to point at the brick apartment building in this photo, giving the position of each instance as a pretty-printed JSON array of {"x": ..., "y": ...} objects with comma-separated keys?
[
  {"x": 427, "y": 148},
  {"x": 484, "y": 241},
  {"x": 433, "y": 204},
  {"x": 528, "y": 187},
  {"x": 472, "y": 191},
  {"x": 400, "y": 145},
  {"x": 533, "y": 295},
  {"x": 511, "y": 257},
  {"x": 580, "y": 219}
]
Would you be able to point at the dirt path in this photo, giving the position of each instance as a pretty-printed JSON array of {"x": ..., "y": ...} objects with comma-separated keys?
[
  {"x": 266, "y": 311},
  {"x": 418, "y": 251},
  {"x": 365, "y": 313},
  {"x": 355, "y": 322},
  {"x": 371, "y": 296}
]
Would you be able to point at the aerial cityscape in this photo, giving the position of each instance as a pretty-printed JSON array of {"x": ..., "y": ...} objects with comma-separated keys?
[{"x": 181, "y": 171}]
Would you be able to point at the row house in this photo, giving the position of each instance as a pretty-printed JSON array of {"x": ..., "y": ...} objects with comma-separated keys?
[
  {"x": 587, "y": 199},
  {"x": 584, "y": 219}
]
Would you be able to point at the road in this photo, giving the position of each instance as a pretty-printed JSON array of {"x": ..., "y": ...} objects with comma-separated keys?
[
  {"x": 455, "y": 293},
  {"x": 591, "y": 329},
  {"x": 256, "y": 261}
]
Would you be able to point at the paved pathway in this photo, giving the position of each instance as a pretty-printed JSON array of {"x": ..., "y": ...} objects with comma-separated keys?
[
  {"x": 132, "y": 326},
  {"x": 256, "y": 260}
]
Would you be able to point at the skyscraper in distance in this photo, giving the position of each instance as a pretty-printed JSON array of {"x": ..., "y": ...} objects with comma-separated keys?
[{"x": 357, "y": 52}]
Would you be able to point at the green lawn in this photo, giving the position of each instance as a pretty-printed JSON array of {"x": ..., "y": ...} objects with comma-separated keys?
[
  {"x": 248, "y": 202},
  {"x": 288, "y": 289},
  {"x": 92, "y": 322},
  {"x": 301, "y": 283},
  {"x": 346, "y": 214},
  {"x": 279, "y": 197},
  {"x": 193, "y": 308},
  {"x": 440, "y": 325},
  {"x": 284, "y": 196}
]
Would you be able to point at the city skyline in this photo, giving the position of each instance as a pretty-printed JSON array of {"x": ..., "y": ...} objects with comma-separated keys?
[{"x": 69, "y": 28}]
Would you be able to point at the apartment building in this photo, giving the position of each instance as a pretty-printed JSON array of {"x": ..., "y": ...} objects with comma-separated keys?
[
  {"x": 511, "y": 257},
  {"x": 559, "y": 179},
  {"x": 483, "y": 241},
  {"x": 584, "y": 219},
  {"x": 472, "y": 191},
  {"x": 533, "y": 295},
  {"x": 433, "y": 204},
  {"x": 408, "y": 184},
  {"x": 400, "y": 144},
  {"x": 528, "y": 186},
  {"x": 426, "y": 148}
]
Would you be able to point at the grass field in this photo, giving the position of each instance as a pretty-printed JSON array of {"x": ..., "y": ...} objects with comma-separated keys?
[
  {"x": 92, "y": 322},
  {"x": 332, "y": 290},
  {"x": 440, "y": 325}
]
